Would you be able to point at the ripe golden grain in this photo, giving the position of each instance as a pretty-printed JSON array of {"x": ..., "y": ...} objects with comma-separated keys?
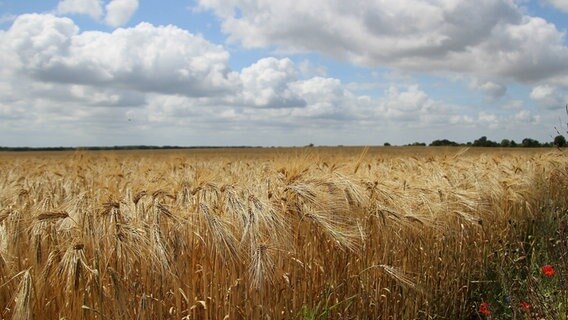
[{"x": 258, "y": 234}]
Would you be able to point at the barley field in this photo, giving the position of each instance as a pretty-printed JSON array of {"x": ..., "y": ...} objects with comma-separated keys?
[{"x": 298, "y": 233}]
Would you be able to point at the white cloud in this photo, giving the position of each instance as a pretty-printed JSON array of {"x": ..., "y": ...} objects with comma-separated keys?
[
  {"x": 488, "y": 38},
  {"x": 526, "y": 116},
  {"x": 542, "y": 92},
  {"x": 325, "y": 98},
  {"x": 273, "y": 96},
  {"x": 92, "y": 8},
  {"x": 116, "y": 13},
  {"x": 166, "y": 84},
  {"x": 489, "y": 119},
  {"x": 267, "y": 84},
  {"x": 560, "y": 4},
  {"x": 549, "y": 96},
  {"x": 492, "y": 90},
  {"x": 104, "y": 97},
  {"x": 119, "y": 12},
  {"x": 145, "y": 58},
  {"x": 406, "y": 105}
]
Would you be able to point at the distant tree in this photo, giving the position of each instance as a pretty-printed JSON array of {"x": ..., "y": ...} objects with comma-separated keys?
[
  {"x": 484, "y": 142},
  {"x": 559, "y": 141},
  {"x": 387, "y": 144},
  {"x": 443, "y": 142},
  {"x": 505, "y": 143},
  {"x": 417, "y": 144},
  {"x": 513, "y": 144},
  {"x": 530, "y": 143},
  {"x": 480, "y": 142}
]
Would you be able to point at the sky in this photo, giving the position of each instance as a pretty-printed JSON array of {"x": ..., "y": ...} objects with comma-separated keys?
[{"x": 280, "y": 73}]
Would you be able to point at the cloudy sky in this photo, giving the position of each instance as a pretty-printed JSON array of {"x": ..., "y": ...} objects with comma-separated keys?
[{"x": 279, "y": 73}]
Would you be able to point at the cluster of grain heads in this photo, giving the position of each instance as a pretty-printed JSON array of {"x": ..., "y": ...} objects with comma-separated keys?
[{"x": 279, "y": 236}]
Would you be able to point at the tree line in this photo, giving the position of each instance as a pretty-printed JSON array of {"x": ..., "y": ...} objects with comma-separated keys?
[
  {"x": 101, "y": 148},
  {"x": 559, "y": 141}
]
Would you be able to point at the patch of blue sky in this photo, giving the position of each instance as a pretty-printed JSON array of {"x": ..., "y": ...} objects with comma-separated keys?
[
  {"x": 9, "y": 10},
  {"x": 28, "y": 6},
  {"x": 185, "y": 16}
]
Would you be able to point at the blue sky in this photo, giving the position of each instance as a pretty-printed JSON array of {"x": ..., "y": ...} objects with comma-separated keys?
[{"x": 261, "y": 72}]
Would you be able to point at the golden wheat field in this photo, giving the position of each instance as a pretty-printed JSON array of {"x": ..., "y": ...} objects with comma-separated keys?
[{"x": 299, "y": 233}]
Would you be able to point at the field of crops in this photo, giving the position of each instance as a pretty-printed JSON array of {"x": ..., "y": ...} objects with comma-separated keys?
[{"x": 305, "y": 233}]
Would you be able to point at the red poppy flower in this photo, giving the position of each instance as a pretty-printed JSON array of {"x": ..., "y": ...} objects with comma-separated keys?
[
  {"x": 484, "y": 308},
  {"x": 548, "y": 270},
  {"x": 525, "y": 305}
]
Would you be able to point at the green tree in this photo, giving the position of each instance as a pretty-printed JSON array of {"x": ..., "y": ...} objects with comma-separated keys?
[
  {"x": 484, "y": 142},
  {"x": 481, "y": 142},
  {"x": 559, "y": 141},
  {"x": 444, "y": 142},
  {"x": 530, "y": 143}
]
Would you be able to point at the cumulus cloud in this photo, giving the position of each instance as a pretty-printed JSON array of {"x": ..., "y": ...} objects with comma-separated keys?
[
  {"x": 549, "y": 96},
  {"x": 145, "y": 58},
  {"x": 326, "y": 98},
  {"x": 167, "y": 82},
  {"x": 526, "y": 116},
  {"x": 488, "y": 119},
  {"x": 266, "y": 83},
  {"x": 119, "y": 12},
  {"x": 492, "y": 90},
  {"x": 489, "y": 38},
  {"x": 115, "y": 13},
  {"x": 273, "y": 96},
  {"x": 406, "y": 105},
  {"x": 92, "y": 8}
]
